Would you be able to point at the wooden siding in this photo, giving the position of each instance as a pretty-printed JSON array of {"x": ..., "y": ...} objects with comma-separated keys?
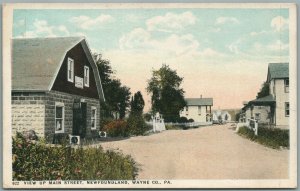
[{"x": 80, "y": 60}]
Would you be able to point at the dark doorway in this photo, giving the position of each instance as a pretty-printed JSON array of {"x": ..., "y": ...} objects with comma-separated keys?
[{"x": 79, "y": 118}]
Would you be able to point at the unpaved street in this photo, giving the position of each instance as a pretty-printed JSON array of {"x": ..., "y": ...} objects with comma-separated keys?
[{"x": 214, "y": 152}]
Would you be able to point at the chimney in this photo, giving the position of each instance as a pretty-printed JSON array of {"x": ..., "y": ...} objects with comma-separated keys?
[{"x": 201, "y": 96}]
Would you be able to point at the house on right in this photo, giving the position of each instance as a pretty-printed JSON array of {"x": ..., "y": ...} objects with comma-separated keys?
[
  {"x": 278, "y": 79},
  {"x": 273, "y": 109}
]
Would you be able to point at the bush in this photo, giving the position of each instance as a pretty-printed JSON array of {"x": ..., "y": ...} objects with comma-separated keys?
[
  {"x": 137, "y": 125},
  {"x": 105, "y": 121},
  {"x": 37, "y": 161},
  {"x": 182, "y": 120},
  {"x": 271, "y": 137},
  {"x": 117, "y": 128},
  {"x": 191, "y": 120},
  {"x": 172, "y": 127}
]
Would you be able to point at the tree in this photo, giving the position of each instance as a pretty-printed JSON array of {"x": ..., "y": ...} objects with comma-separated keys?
[
  {"x": 136, "y": 122},
  {"x": 137, "y": 103},
  {"x": 167, "y": 97},
  {"x": 264, "y": 91},
  {"x": 117, "y": 96}
]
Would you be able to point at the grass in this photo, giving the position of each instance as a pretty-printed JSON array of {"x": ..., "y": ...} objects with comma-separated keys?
[
  {"x": 271, "y": 137},
  {"x": 38, "y": 161},
  {"x": 173, "y": 127}
]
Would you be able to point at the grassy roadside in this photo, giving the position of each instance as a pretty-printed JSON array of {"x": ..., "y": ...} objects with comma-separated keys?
[
  {"x": 271, "y": 137},
  {"x": 38, "y": 161}
]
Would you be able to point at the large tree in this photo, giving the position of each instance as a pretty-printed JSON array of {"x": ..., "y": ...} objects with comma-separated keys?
[
  {"x": 117, "y": 96},
  {"x": 264, "y": 91},
  {"x": 167, "y": 96}
]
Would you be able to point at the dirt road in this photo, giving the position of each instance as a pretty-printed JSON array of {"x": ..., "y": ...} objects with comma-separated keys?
[{"x": 213, "y": 152}]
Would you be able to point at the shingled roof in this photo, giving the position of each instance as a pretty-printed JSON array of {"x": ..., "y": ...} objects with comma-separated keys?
[
  {"x": 268, "y": 98},
  {"x": 36, "y": 62},
  {"x": 199, "y": 101},
  {"x": 278, "y": 71}
]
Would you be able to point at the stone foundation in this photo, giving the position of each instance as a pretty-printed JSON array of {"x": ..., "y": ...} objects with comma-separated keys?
[{"x": 36, "y": 111}]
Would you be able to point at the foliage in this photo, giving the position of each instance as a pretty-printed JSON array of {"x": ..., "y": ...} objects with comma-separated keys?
[
  {"x": 191, "y": 120},
  {"x": 147, "y": 116},
  {"x": 137, "y": 125},
  {"x": 117, "y": 96},
  {"x": 104, "y": 121},
  {"x": 38, "y": 161},
  {"x": 137, "y": 103},
  {"x": 271, "y": 137},
  {"x": 183, "y": 120},
  {"x": 237, "y": 116},
  {"x": 167, "y": 96},
  {"x": 264, "y": 91},
  {"x": 117, "y": 128},
  {"x": 136, "y": 122},
  {"x": 172, "y": 127}
]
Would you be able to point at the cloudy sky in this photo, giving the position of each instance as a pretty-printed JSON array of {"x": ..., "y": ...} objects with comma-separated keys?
[{"x": 221, "y": 53}]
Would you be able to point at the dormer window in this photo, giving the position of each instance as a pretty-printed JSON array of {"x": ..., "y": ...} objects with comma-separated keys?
[
  {"x": 70, "y": 73},
  {"x": 86, "y": 76}
]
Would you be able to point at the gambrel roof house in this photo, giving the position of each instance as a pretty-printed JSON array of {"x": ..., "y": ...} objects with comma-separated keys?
[
  {"x": 37, "y": 61},
  {"x": 56, "y": 85}
]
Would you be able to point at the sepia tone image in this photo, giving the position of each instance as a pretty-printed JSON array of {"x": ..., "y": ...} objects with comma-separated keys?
[{"x": 150, "y": 96}]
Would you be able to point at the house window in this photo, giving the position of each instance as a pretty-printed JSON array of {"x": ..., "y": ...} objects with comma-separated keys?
[
  {"x": 59, "y": 117},
  {"x": 86, "y": 76},
  {"x": 93, "y": 117},
  {"x": 286, "y": 85},
  {"x": 287, "y": 109},
  {"x": 187, "y": 110},
  {"x": 257, "y": 116},
  {"x": 70, "y": 70},
  {"x": 199, "y": 110}
]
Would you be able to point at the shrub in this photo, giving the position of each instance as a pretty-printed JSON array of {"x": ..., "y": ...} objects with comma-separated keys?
[
  {"x": 104, "y": 121},
  {"x": 117, "y": 128},
  {"x": 37, "y": 161},
  {"x": 271, "y": 137},
  {"x": 172, "y": 127},
  {"x": 191, "y": 120},
  {"x": 137, "y": 125},
  {"x": 182, "y": 120},
  {"x": 147, "y": 116}
]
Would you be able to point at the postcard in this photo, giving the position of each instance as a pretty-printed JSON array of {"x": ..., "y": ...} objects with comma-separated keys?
[{"x": 148, "y": 95}]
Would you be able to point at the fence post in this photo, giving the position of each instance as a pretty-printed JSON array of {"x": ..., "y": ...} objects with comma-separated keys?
[{"x": 256, "y": 127}]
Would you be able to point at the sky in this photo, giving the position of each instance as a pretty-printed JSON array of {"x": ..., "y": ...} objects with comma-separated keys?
[{"x": 220, "y": 53}]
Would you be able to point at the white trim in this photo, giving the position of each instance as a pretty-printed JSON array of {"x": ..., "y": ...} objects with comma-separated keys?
[
  {"x": 286, "y": 108},
  {"x": 60, "y": 104},
  {"x": 70, "y": 66},
  {"x": 94, "y": 68},
  {"x": 95, "y": 117},
  {"x": 86, "y": 76}
]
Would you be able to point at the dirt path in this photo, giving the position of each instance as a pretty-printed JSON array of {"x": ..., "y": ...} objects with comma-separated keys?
[{"x": 214, "y": 152}]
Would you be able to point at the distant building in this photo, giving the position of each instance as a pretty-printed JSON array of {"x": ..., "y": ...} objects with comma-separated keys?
[
  {"x": 274, "y": 108},
  {"x": 198, "y": 109},
  {"x": 224, "y": 116}
]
